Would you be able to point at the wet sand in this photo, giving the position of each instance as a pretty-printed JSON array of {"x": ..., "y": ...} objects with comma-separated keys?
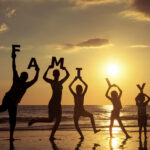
[{"x": 69, "y": 140}]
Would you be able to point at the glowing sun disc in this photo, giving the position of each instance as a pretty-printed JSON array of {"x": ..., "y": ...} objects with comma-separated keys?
[{"x": 112, "y": 70}]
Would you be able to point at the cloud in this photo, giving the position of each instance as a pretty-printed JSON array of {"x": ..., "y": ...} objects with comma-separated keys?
[
  {"x": 3, "y": 27},
  {"x": 36, "y": 1},
  {"x": 3, "y": 48},
  {"x": 93, "y": 2},
  {"x": 135, "y": 15},
  {"x": 91, "y": 43},
  {"x": 138, "y": 9},
  {"x": 75, "y": 1},
  {"x": 10, "y": 12},
  {"x": 140, "y": 46},
  {"x": 142, "y": 6}
]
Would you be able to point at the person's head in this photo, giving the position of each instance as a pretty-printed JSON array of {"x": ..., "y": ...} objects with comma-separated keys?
[
  {"x": 24, "y": 76},
  {"x": 141, "y": 97},
  {"x": 56, "y": 73},
  {"x": 114, "y": 94},
  {"x": 79, "y": 89}
]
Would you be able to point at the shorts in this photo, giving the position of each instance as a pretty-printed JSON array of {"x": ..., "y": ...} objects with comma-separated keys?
[
  {"x": 115, "y": 114},
  {"x": 81, "y": 112}
]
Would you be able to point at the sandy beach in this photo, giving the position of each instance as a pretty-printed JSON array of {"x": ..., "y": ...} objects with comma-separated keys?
[{"x": 69, "y": 140}]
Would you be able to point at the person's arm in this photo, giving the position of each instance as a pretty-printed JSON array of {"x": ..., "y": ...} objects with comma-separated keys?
[
  {"x": 70, "y": 86},
  {"x": 30, "y": 83},
  {"x": 66, "y": 77},
  {"x": 107, "y": 92},
  {"x": 137, "y": 101},
  {"x": 120, "y": 94},
  {"x": 148, "y": 99},
  {"x": 45, "y": 75},
  {"x": 86, "y": 86},
  {"x": 15, "y": 74}
]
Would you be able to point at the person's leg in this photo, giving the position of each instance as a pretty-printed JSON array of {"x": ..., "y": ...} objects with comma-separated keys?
[
  {"x": 51, "y": 116},
  {"x": 122, "y": 127},
  {"x": 12, "y": 110},
  {"x": 57, "y": 122},
  {"x": 111, "y": 125},
  {"x": 3, "y": 108},
  {"x": 76, "y": 119},
  {"x": 39, "y": 120},
  {"x": 4, "y": 105},
  {"x": 145, "y": 124},
  {"x": 140, "y": 126},
  {"x": 140, "y": 131},
  {"x": 145, "y": 131},
  {"x": 87, "y": 114}
]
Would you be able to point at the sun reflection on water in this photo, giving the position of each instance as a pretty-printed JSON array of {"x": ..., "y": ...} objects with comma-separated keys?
[
  {"x": 114, "y": 144},
  {"x": 117, "y": 143},
  {"x": 116, "y": 129}
]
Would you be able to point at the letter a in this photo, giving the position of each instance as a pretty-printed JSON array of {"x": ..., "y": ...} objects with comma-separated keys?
[{"x": 32, "y": 63}]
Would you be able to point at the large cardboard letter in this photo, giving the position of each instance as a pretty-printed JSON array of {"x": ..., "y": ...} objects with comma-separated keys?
[
  {"x": 32, "y": 63},
  {"x": 60, "y": 61},
  {"x": 141, "y": 88},
  {"x": 108, "y": 82},
  {"x": 78, "y": 72},
  {"x": 15, "y": 48}
]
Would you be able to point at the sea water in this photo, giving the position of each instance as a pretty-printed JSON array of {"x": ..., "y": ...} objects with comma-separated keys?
[{"x": 101, "y": 115}]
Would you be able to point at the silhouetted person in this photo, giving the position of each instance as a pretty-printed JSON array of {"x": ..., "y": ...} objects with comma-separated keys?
[
  {"x": 142, "y": 116},
  {"x": 79, "y": 108},
  {"x": 115, "y": 99},
  {"x": 15, "y": 94},
  {"x": 54, "y": 106}
]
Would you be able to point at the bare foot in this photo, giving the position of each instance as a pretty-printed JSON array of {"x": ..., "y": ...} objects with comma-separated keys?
[
  {"x": 97, "y": 131},
  {"x": 128, "y": 136}
]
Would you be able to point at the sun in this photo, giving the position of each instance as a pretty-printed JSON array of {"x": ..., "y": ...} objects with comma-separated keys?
[{"x": 112, "y": 70}]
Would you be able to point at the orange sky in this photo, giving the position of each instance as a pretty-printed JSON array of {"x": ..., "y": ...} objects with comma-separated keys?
[{"x": 88, "y": 35}]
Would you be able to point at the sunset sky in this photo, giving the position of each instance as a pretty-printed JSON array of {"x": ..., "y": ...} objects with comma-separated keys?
[{"x": 92, "y": 34}]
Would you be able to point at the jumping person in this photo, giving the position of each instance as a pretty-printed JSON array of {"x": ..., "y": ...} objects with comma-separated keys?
[
  {"x": 79, "y": 105},
  {"x": 54, "y": 106},
  {"x": 142, "y": 116},
  {"x": 15, "y": 94},
  {"x": 115, "y": 99}
]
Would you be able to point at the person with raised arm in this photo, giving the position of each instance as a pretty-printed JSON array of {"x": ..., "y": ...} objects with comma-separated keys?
[
  {"x": 54, "y": 106},
  {"x": 142, "y": 115},
  {"x": 115, "y": 98},
  {"x": 79, "y": 106},
  {"x": 15, "y": 94}
]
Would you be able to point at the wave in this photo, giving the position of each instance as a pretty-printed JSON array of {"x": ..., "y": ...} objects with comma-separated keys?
[
  {"x": 84, "y": 127},
  {"x": 66, "y": 118}
]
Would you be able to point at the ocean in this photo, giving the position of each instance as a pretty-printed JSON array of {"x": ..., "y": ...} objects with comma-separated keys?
[{"x": 101, "y": 116}]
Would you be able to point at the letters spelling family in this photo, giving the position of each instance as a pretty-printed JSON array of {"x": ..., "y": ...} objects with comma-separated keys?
[{"x": 33, "y": 62}]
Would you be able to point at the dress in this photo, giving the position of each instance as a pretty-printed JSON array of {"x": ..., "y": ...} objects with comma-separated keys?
[{"x": 54, "y": 106}]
